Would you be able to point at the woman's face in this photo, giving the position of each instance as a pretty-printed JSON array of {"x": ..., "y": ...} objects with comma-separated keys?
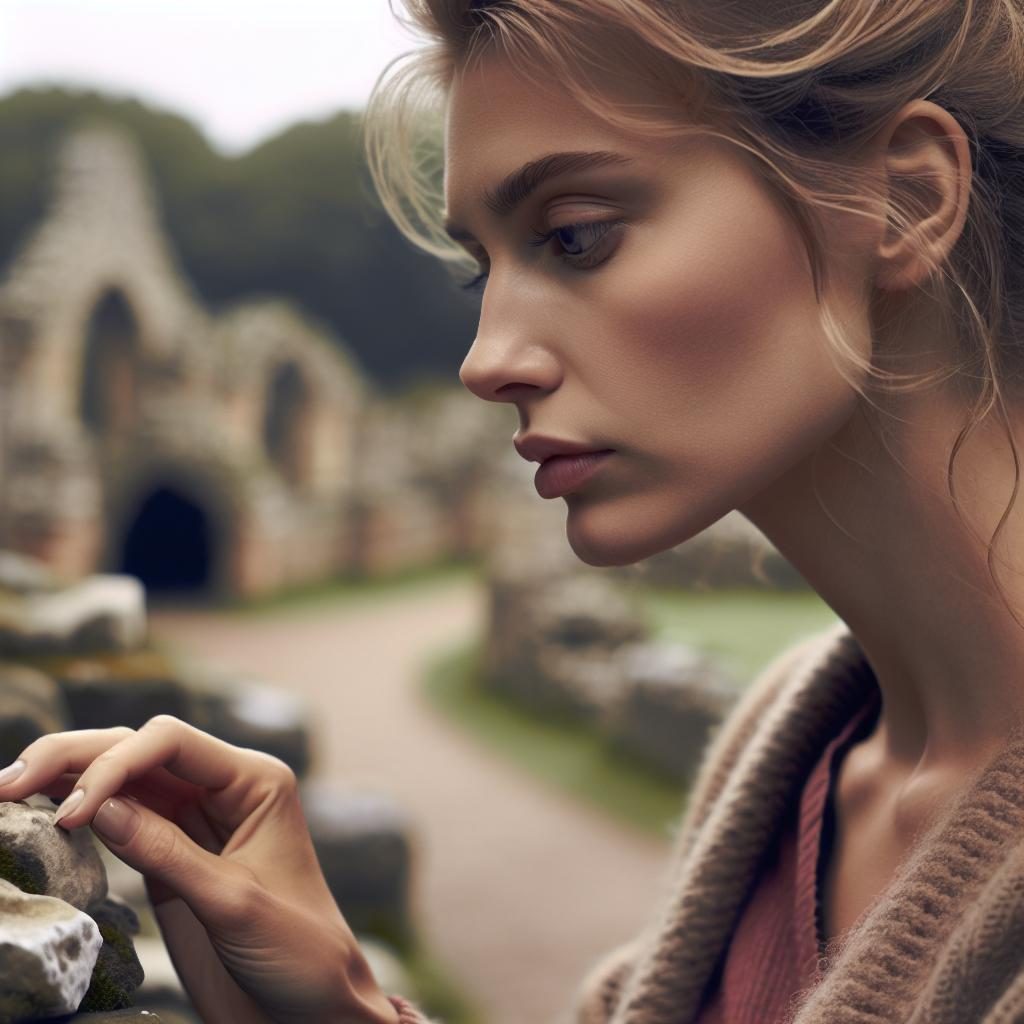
[{"x": 672, "y": 318}]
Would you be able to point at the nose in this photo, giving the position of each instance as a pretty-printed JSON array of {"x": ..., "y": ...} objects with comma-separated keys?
[{"x": 508, "y": 361}]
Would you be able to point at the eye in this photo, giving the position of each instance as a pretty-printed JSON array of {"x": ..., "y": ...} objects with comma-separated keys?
[{"x": 573, "y": 239}]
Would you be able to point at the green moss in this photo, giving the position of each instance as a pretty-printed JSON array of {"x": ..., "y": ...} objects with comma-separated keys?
[
  {"x": 122, "y": 944},
  {"x": 26, "y": 872},
  {"x": 104, "y": 993},
  {"x": 116, "y": 975}
]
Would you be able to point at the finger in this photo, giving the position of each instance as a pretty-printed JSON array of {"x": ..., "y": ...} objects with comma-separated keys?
[
  {"x": 52, "y": 760},
  {"x": 50, "y": 756},
  {"x": 165, "y": 742},
  {"x": 174, "y": 808}
]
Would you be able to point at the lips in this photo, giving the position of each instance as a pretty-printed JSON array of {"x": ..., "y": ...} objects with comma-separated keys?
[
  {"x": 560, "y": 474},
  {"x": 537, "y": 448}
]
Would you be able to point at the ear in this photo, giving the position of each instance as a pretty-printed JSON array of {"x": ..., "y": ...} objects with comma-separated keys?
[{"x": 926, "y": 158}]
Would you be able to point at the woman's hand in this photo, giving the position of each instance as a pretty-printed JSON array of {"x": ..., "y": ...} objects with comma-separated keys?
[{"x": 219, "y": 834}]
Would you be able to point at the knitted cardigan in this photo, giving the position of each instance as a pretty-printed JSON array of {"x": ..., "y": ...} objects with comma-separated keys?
[{"x": 944, "y": 944}]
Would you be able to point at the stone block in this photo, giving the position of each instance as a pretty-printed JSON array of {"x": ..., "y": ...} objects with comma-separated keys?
[
  {"x": 119, "y": 689},
  {"x": 101, "y": 613},
  {"x": 584, "y": 611},
  {"x": 581, "y": 685},
  {"x": 673, "y": 697},
  {"x": 117, "y": 972},
  {"x": 20, "y": 574},
  {"x": 258, "y": 716},
  {"x": 362, "y": 842},
  {"x": 550, "y": 642},
  {"x": 31, "y": 705},
  {"x": 41, "y": 859},
  {"x": 47, "y": 952},
  {"x": 117, "y": 912}
]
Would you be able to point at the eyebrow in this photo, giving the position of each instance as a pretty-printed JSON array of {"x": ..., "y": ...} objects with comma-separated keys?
[{"x": 516, "y": 187}]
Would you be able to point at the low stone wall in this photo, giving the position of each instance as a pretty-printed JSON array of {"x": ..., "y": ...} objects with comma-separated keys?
[
  {"x": 575, "y": 645},
  {"x": 77, "y": 934}
]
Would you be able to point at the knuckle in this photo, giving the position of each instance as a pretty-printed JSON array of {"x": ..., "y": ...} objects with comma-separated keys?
[
  {"x": 160, "y": 847},
  {"x": 277, "y": 772},
  {"x": 163, "y": 721}
]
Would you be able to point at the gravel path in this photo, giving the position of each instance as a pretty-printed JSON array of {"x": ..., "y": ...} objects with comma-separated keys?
[{"x": 518, "y": 889}]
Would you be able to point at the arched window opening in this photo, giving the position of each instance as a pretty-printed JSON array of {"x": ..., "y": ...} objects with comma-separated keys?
[
  {"x": 108, "y": 396},
  {"x": 287, "y": 423}
]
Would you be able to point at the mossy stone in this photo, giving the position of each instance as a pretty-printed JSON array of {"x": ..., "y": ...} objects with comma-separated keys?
[{"x": 117, "y": 973}]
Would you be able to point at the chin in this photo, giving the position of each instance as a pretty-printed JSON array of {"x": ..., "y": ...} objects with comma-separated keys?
[
  {"x": 617, "y": 544},
  {"x": 602, "y": 537}
]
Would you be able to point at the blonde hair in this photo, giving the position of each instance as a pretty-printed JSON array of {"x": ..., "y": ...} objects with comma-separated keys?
[{"x": 799, "y": 87}]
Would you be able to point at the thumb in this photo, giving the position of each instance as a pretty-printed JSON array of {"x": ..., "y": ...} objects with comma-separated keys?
[{"x": 173, "y": 865}]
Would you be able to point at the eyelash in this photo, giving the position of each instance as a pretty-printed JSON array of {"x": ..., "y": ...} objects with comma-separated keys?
[{"x": 541, "y": 238}]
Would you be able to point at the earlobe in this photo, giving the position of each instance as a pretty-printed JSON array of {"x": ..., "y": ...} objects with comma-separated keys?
[{"x": 927, "y": 162}]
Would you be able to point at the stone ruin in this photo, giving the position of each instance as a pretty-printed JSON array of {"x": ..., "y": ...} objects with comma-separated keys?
[
  {"x": 235, "y": 452},
  {"x": 77, "y": 934}
]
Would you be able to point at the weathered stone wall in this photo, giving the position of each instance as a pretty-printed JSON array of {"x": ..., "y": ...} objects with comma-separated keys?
[{"x": 126, "y": 405}]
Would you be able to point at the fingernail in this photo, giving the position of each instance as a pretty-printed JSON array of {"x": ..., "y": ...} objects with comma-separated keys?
[
  {"x": 11, "y": 772},
  {"x": 116, "y": 820},
  {"x": 69, "y": 805}
]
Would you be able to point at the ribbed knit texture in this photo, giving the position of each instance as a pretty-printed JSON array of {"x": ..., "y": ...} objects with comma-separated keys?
[
  {"x": 773, "y": 954},
  {"x": 944, "y": 944}
]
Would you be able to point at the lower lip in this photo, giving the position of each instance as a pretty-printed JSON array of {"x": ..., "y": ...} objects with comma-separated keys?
[{"x": 561, "y": 473}]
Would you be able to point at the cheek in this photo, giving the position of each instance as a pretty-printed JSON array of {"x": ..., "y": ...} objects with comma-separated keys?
[{"x": 716, "y": 309}]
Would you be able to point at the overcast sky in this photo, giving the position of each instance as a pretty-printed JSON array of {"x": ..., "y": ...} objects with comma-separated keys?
[{"x": 242, "y": 69}]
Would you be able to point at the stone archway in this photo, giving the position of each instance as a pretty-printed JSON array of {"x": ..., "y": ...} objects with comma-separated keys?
[
  {"x": 169, "y": 542},
  {"x": 287, "y": 423},
  {"x": 107, "y": 401}
]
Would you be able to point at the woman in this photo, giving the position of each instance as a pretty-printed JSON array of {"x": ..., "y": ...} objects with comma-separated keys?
[{"x": 770, "y": 257}]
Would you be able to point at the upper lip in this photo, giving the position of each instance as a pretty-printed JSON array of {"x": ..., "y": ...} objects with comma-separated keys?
[{"x": 535, "y": 448}]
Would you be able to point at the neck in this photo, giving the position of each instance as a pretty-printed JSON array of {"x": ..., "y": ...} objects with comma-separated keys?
[{"x": 871, "y": 526}]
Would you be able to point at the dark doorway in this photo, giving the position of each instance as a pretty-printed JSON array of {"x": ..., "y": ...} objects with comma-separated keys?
[{"x": 168, "y": 544}]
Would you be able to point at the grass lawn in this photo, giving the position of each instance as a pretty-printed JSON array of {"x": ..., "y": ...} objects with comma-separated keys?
[
  {"x": 560, "y": 753},
  {"x": 744, "y": 628}
]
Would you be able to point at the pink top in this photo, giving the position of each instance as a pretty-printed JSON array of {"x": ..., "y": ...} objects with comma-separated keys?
[{"x": 773, "y": 954}]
